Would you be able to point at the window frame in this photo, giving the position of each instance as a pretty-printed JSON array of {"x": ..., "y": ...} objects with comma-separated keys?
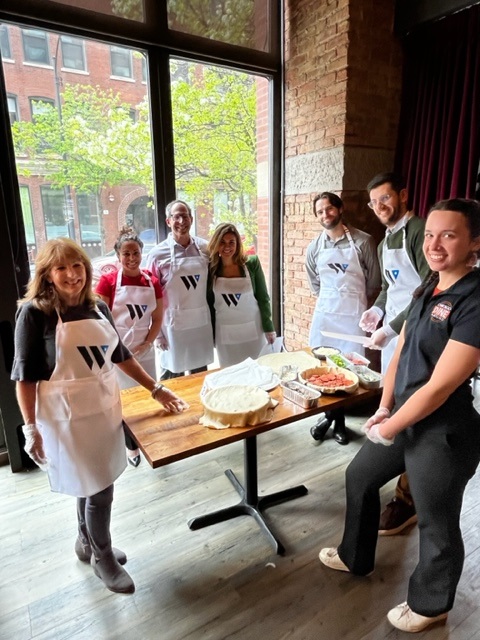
[
  {"x": 118, "y": 51},
  {"x": 48, "y": 60},
  {"x": 80, "y": 44},
  {"x": 5, "y": 39},
  {"x": 12, "y": 96}
]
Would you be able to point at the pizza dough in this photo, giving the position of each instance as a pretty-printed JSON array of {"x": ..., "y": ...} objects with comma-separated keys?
[
  {"x": 300, "y": 359},
  {"x": 236, "y": 406}
]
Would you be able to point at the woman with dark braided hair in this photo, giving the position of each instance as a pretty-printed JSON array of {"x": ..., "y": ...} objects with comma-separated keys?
[
  {"x": 426, "y": 424},
  {"x": 134, "y": 297}
]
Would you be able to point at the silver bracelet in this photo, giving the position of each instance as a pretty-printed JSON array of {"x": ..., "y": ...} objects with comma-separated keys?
[{"x": 158, "y": 387}]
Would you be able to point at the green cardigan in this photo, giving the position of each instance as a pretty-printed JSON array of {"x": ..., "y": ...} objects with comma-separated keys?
[{"x": 260, "y": 292}]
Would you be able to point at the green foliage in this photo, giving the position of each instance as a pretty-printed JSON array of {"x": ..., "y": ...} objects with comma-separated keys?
[
  {"x": 229, "y": 21},
  {"x": 214, "y": 123},
  {"x": 131, "y": 9}
]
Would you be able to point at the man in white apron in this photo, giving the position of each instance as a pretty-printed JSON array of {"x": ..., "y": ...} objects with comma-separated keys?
[
  {"x": 343, "y": 273},
  {"x": 181, "y": 264},
  {"x": 403, "y": 268}
]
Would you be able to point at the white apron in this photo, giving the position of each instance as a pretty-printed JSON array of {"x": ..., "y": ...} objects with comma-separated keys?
[
  {"x": 402, "y": 280},
  {"x": 238, "y": 323},
  {"x": 79, "y": 410},
  {"x": 186, "y": 320},
  {"x": 342, "y": 298},
  {"x": 132, "y": 311}
]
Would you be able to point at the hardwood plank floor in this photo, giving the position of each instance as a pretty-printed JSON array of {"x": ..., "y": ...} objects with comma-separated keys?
[{"x": 221, "y": 582}]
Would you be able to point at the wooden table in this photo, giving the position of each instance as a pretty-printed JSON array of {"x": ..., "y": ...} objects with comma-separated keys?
[{"x": 164, "y": 438}]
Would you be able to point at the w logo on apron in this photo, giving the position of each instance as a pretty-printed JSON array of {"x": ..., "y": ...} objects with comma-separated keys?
[
  {"x": 231, "y": 298},
  {"x": 190, "y": 281},
  {"x": 137, "y": 310},
  {"x": 391, "y": 275},
  {"x": 93, "y": 354},
  {"x": 337, "y": 267}
]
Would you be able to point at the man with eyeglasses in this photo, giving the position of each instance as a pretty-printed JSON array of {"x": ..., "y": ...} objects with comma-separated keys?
[
  {"x": 343, "y": 272},
  {"x": 401, "y": 258},
  {"x": 403, "y": 267},
  {"x": 180, "y": 263}
]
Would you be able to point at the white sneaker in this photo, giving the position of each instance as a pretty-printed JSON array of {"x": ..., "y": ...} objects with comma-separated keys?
[
  {"x": 329, "y": 556},
  {"x": 403, "y": 618}
]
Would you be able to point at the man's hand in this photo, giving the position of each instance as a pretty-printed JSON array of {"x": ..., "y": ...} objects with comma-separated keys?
[
  {"x": 370, "y": 319},
  {"x": 380, "y": 338},
  {"x": 161, "y": 342}
]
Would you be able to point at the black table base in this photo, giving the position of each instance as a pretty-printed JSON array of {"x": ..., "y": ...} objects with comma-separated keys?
[{"x": 250, "y": 504}]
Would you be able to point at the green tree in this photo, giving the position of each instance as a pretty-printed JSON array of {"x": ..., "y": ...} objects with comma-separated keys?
[
  {"x": 229, "y": 21},
  {"x": 214, "y": 118}
]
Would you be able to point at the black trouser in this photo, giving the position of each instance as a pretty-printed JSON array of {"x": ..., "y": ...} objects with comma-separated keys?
[
  {"x": 439, "y": 465},
  {"x": 168, "y": 375},
  {"x": 93, "y": 515}
]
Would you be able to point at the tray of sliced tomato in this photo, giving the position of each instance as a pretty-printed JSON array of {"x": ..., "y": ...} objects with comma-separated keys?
[{"x": 330, "y": 379}]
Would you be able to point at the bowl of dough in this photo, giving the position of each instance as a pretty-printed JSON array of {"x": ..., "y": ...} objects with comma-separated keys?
[
  {"x": 236, "y": 406},
  {"x": 330, "y": 379}
]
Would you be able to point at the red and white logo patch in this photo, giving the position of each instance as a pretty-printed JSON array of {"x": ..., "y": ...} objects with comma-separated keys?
[{"x": 441, "y": 311}]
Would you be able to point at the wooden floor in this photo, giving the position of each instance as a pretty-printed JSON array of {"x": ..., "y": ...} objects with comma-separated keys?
[{"x": 222, "y": 582}]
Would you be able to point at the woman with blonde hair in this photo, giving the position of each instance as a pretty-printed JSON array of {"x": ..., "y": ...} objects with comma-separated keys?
[
  {"x": 238, "y": 298},
  {"x": 65, "y": 348}
]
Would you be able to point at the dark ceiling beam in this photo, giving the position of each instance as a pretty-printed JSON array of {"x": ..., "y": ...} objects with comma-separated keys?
[{"x": 410, "y": 14}]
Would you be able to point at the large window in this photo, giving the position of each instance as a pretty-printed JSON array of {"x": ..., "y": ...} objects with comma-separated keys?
[
  {"x": 73, "y": 53},
  {"x": 221, "y": 138},
  {"x": 5, "y": 42},
  {"x": 121, "y": 61},
  {"x": 35, "y": 46}
]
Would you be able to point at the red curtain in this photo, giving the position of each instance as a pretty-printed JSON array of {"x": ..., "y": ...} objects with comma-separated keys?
[{"x": 438, "y": 149}]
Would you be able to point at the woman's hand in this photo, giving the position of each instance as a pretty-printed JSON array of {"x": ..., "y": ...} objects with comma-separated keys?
[
  {"x": 34, "y": 445},
  {"x": 141, "y": 349},
  {"x": 381, "y": 414},
  {"x": 271, "y": 336},
  {"x": 374, "y": 435},
  {"x": 170, "y": 400}
]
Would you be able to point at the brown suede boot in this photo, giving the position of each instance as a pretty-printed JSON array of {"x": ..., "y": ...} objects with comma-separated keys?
[{"x": 112, "y": 574}]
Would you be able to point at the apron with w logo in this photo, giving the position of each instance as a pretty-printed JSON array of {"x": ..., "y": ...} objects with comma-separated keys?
[
  {"x": 342, "y": 298},
  {"x": 238, "y": 323},
  {"x": 79, "y": 410},
  {"x": 132, "y": 311},
  {"x": 186, "y": 319}
]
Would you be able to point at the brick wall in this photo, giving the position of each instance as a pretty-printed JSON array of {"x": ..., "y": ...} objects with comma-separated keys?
[{"x": 342, "y": 97}]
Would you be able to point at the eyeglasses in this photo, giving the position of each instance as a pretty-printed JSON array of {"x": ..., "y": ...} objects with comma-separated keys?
[
  {"x": 382, "y": 200},
  {"x": 178, "y": 217}
]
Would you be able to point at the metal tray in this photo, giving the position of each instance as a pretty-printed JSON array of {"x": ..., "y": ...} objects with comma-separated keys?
[{"x": 300, "y": 394}]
